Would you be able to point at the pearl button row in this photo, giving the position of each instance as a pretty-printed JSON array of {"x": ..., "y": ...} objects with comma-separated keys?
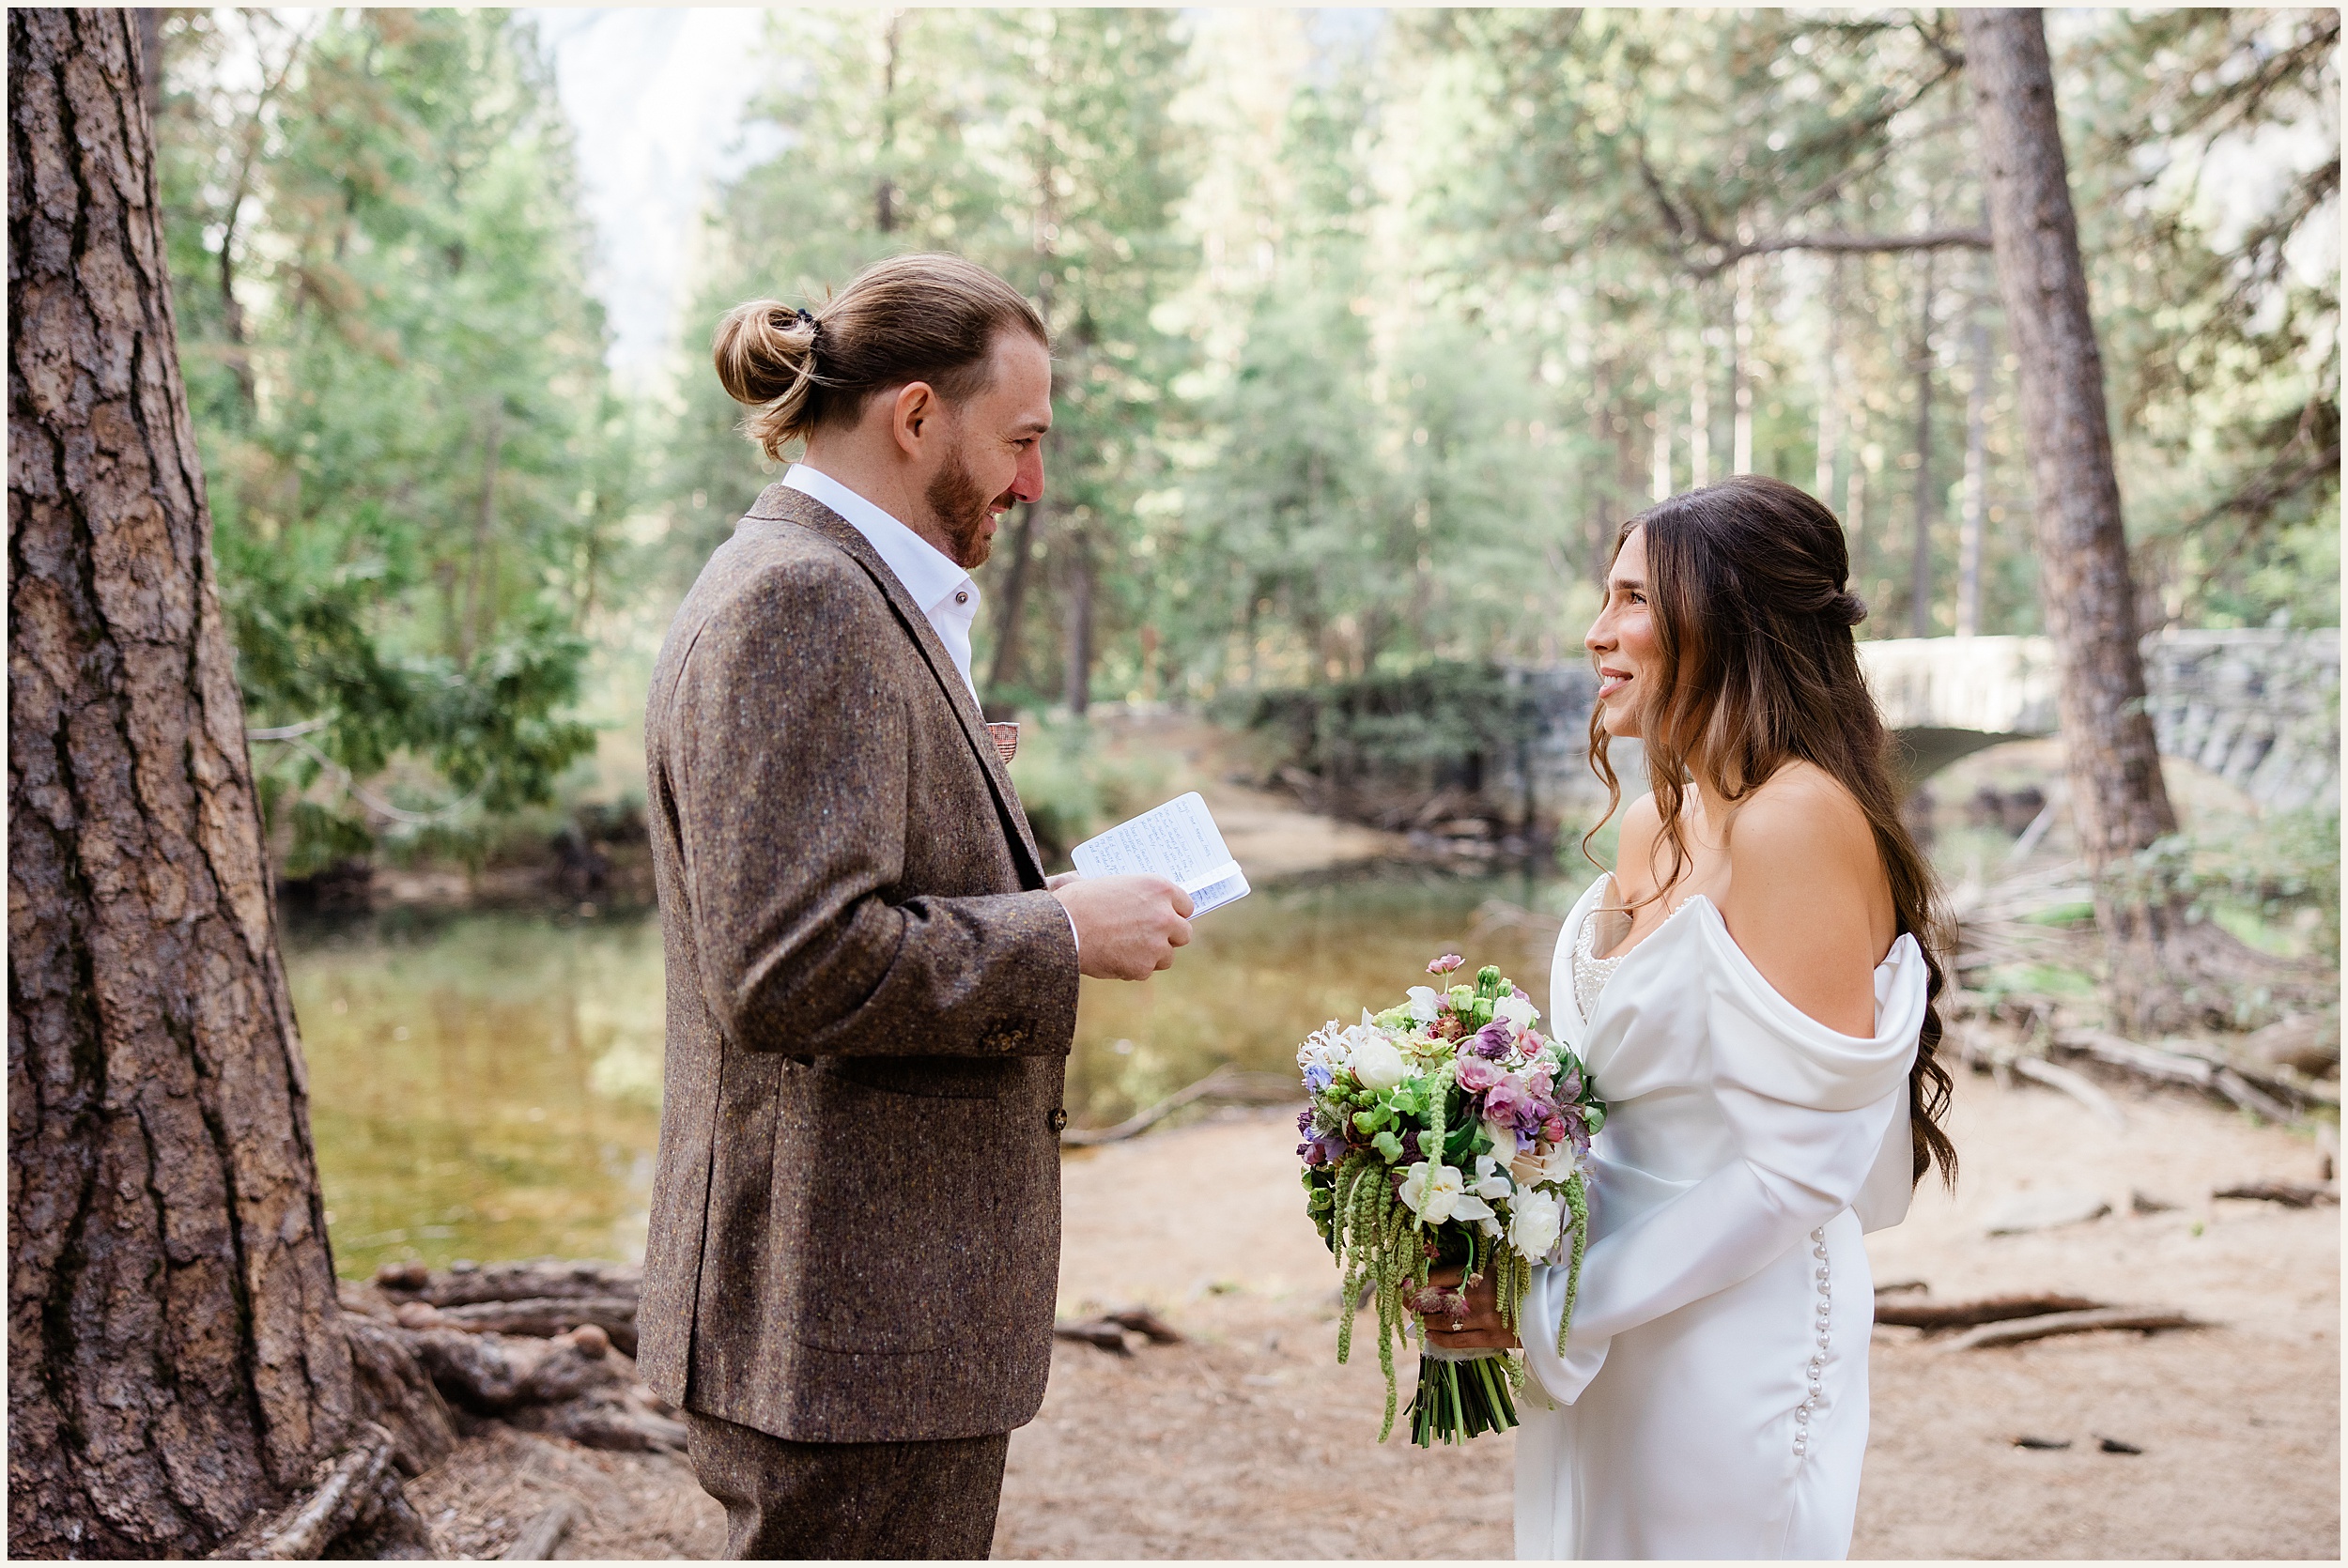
[{"x": 1817, "y": 1360}]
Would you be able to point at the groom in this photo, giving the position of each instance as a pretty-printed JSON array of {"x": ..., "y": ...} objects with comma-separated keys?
[{"x": 855, "y": 1242}]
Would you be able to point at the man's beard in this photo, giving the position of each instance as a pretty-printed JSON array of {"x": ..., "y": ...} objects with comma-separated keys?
[{"x": 960, "y": 508}]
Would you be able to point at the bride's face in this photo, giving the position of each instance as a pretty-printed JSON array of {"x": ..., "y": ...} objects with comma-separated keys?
[{"x": 1622, "y": 639}]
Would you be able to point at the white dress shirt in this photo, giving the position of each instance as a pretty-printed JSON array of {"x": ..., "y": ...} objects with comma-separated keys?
[{"x": 942, "y": 588}]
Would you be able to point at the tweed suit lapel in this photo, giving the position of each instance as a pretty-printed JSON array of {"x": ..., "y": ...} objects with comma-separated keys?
[{"x": 780, "y": 503}]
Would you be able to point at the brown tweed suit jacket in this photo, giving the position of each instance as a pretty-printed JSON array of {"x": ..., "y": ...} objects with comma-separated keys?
[{"x": 855, "y": 1213}]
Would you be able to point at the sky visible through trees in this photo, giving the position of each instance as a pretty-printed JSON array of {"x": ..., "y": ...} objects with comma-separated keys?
[{"x": 1371, "y": 327}]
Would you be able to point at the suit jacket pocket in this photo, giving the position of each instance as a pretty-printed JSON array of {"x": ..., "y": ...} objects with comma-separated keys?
[
  {"x": 926, "y": 1077},
  {"x": 918, "y": 1205}
]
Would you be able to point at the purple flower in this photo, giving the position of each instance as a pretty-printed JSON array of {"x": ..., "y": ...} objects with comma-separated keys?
[
  {"x": 1318, "y": 1148},
  {"x": 1318, "y": 1076},
  {"x": 1476, "y": 1074},
  {"x": 1492, "y": 1040},
  {"x": 1518, "y": 991},
  {"x": 1445, "y": 964},
  {"x": 1507, "y": 1104}
]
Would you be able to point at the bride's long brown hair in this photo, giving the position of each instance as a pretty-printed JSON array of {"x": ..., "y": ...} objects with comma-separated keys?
[{"x": 1748, "y": 585}]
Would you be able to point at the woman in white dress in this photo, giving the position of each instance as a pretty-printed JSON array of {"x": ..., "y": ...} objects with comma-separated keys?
[{"x": 1753, "y": 996}]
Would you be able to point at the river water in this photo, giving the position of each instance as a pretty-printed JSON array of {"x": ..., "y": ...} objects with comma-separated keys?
[{"x": 487, "y": 1085}]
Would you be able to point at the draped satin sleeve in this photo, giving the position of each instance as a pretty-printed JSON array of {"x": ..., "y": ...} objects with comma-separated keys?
[{"x": 1811, "y": 1114}]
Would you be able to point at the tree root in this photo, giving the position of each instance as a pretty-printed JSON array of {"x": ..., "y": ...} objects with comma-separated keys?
[
  {"x": 1972, "y": 1315},
  {"x": 354, "y": 1490},
  {"x": 2024, "y": 1329}
]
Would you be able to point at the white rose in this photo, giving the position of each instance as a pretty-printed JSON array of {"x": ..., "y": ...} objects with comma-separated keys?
[
  {"x": 1377, "y": 1064},
  {"x": 1531, "y": 1169},
  {"x": 1535, "y": 1221},
  {"x": 1517, "y": 1014},
  {"x": 1505, "y": 1145},
  {"x": 1431, "y": 1192}
]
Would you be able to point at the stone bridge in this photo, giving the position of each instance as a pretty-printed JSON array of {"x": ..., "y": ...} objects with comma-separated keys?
[{"x": 2259, "y": 708}]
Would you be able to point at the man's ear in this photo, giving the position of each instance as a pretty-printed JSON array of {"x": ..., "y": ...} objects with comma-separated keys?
[{"x": 914, "y": 406}]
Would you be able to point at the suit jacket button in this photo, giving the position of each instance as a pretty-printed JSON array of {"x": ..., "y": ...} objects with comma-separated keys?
[{"x": 1057, "y": 1120}]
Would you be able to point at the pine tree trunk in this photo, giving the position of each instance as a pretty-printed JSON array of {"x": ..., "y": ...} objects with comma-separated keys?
[
  {"x": 2118, "y": 800},
  {"x": 177, "y": 1361},
  {"x": 1078, "y": 693},
  {"x": 1919, "y": 558},
  {"x": 1976, "y": 479}
]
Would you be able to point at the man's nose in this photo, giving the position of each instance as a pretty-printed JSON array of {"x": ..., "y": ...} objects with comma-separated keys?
[{"x": 1027, "y": 484}]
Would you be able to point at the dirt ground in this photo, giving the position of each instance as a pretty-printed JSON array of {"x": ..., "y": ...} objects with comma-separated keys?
[{"x": 1247, "y": 1440}]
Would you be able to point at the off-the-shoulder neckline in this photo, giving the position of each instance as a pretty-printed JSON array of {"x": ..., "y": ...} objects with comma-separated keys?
[{"x": 1893, "y": 959}]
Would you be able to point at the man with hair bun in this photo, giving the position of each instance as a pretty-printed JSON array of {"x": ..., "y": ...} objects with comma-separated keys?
[{"x": 854, "y": 1242}]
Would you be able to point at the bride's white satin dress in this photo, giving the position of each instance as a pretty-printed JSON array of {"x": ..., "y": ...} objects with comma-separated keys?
[{"x": 1712, "y": 1399}]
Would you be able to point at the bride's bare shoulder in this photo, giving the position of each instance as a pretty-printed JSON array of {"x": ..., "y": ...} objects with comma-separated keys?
[{"x": 1807, "y": 897}]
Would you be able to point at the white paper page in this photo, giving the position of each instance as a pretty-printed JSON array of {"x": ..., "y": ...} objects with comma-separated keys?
[{"x": 1178, "y": 841}]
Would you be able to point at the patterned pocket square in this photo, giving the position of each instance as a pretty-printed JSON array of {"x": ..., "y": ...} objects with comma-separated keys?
[{"x": 1005, "y": 740}]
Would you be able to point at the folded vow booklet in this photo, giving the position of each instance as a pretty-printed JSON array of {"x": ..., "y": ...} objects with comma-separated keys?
[{"x": 1178, "y": 841}]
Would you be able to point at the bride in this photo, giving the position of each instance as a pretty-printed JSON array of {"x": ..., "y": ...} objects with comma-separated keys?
[{"x": 1753, "y": 995}]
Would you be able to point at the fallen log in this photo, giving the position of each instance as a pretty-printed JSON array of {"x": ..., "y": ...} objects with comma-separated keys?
[
  {"x": 538, "y": 1279},
  {"x": 2064, "y": 1080},
  {"x": 1142, "y": 1321},
  {"x": 538, "y": 1538},
  {"x": 2234, "y": 1086},
  {"x": 2290, "y": 1194},
  {"x": 1940, "y": 1317},
  {"x": 2270, "y": 1092},
  {"x": 2164, "y": 1066},
  {"x": 2021, "y": 1331},
  {"x": 545, "y": 1316},
  {"x": 1097, "y": 1332}
]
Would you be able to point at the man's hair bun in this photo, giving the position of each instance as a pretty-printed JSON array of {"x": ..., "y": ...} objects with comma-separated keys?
[
  {"x": 764, "y": 350},
  {"x": 928, "y": 317}
]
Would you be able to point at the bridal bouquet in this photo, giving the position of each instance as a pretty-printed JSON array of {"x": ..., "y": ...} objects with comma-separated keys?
[{"x": 1447, "y": 1129}]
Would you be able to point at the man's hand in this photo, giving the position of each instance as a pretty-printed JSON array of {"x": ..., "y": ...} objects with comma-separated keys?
[
  {"x": 1481, "y": 1328},
  {"x": 1127, "y": 927}
]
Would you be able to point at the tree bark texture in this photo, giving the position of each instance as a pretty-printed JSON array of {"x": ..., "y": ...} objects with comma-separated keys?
[
  {"x": 2118, "y": 800},
  {"x": 176, "y": 1358},
  {"x": 1976, "y": 481},
  {"x": 1919, "y": 558},
  {"x": 1078, "y": 685}
]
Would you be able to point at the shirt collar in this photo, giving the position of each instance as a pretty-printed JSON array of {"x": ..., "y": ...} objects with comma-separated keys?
[{"x": 929, "y": 574}]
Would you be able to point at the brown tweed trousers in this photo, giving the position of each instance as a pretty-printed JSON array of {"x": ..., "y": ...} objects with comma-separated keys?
[{"x": 855, "y": 1213}]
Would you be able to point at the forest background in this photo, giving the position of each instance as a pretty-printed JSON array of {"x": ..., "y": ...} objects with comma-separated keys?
[{"x": 1371, "y": 327}]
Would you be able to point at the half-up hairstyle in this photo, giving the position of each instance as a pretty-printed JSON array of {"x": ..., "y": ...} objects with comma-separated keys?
[
  {"x": 1748, "y": 588},
  {"x": 928, "y": 316}
]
